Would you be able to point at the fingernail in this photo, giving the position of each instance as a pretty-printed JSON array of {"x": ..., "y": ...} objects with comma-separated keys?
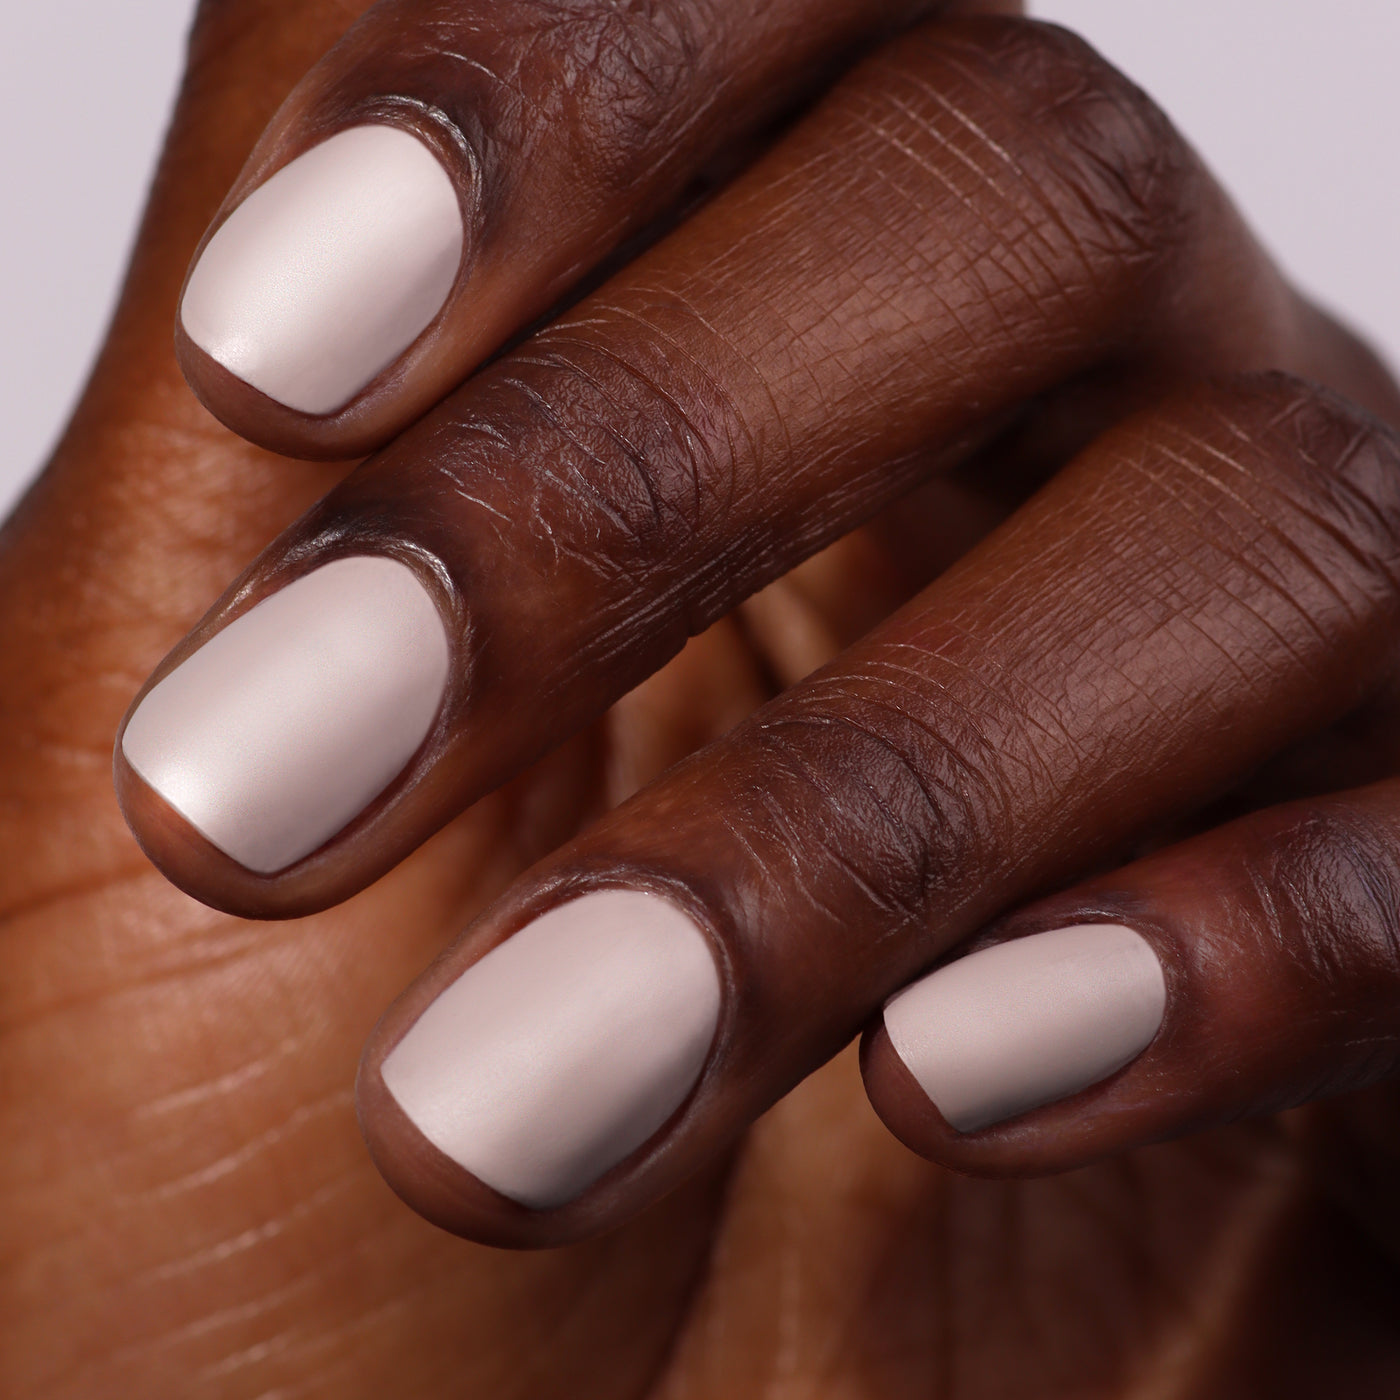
[
  {"x": 330, "y": 269},
  {"x": 565, "y": 1048},
  {"x": 1025, "y": 1023},
  {"x": 283, "y": 726}
]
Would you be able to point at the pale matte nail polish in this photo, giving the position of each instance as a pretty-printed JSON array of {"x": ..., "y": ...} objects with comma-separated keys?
[
  {"x": 565, "y": 1048},
  {"x": 281, "y": 727},
  {"x": 1024, "y": 1023},
  {"x": 330, "y": 269}
]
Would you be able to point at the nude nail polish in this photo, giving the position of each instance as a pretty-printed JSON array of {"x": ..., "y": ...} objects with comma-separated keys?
[
  {"x": 565, "y": 1048},
  {"x": 330, "y": 269},
  {"x": 281, "y": 728},
  {"x": 1024, "y": 1023}
]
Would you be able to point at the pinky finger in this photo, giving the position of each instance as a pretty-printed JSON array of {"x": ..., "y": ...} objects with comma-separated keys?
[{"x": 1243, "y": 972}]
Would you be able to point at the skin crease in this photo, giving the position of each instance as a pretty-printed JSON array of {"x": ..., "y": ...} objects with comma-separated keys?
[{"x": 189, "y": 1207}]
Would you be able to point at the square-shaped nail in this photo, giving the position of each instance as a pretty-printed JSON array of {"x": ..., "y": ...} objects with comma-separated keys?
[
  {"x": 283, "y": 726},
  {"x": 1021, "y": 1024},
  {"x": 565, "y": 1048},
  {"x": 330, "y": 269}
]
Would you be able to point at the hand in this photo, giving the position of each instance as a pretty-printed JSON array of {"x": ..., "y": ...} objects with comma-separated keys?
[{"x": 1037, "y": 256}]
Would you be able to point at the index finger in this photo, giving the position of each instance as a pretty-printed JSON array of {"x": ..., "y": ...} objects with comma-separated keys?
[{"x": 447, "y": 172}]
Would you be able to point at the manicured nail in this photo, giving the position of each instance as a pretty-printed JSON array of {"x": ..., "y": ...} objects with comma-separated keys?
[
  {"x": 280, "y": 728},
  {"x": 565, "y": 1048},
  {"x": 1022, "y": 1024},
  {"x": 330, "y": 269}
]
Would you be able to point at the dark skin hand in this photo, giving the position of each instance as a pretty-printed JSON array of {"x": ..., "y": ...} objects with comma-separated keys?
[{"x": 1114, "y": 633}]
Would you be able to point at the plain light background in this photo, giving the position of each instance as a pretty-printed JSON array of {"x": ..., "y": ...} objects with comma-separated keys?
[{"x": 1295, "y": 104}]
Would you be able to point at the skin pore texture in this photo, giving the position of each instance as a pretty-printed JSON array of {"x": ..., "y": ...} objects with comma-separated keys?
[{"x": 937, "y": 529}]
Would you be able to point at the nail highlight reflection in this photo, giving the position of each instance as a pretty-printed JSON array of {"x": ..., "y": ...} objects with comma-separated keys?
[
  {"x": 565, "y": 1048},
  {"x": 281, "y": 728},
  {"x": 330, "y": 269},
  {"x": 1009, "y": 1028}
]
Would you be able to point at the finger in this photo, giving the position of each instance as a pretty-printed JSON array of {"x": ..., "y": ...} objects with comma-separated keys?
[
  {"x": 446, "y": 173},
  {"x": 147, "y": 506},
  {"x": 1202, "y": 586},
  {"x": 551, "y": 535},
  {"x": 1249, "y": 970}
]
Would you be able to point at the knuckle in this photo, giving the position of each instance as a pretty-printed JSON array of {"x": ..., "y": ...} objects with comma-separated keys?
[
  {"x": 1284, "y": 500},
  {"x": 1327, "y": 886},
  {"x": 1335, "y": 443},
  {"x": 907, "y": 803},
  {"x": 578, "y": 85},
  {"x": 1331, "y": 472},
  {"x": 641, "y": 449},
  {"x": 634, "y": 56},
  {"x": 606, "y": 75},
  {"x": 1092, "y": 160}
]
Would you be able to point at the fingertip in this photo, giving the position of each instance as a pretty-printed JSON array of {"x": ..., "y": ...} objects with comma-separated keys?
[
  {"x": 434, "y": 1186},
  {"x": 307, "y": 318},
  {"x": 514, "y": 1099},
  {"x": 986, "y": 1062},
  {"x": 268, "y": 766},
  {"x": 1060, "y": 1137},
  {"x": 361, "y": 427}
]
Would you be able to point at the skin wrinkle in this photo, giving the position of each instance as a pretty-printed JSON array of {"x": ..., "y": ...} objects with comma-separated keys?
[
  {"x": 1240, "y": 560},
  {"x": 272, "y": 1230},
  {"x": 1030, "y": 236},
  {"x": 223, "y": 1318},
  {"x": 112, "y": 974},
  {"x": 727, "y": 409},
  {"x": 690, "y": 430},
  {"x": 249, "y": 1149},
  {"x": 575, "y": 486},
  {"x": 935, "y": 842},
  {"x": 614, "y": 503},
  {"x": 1118, "y": 162},
  {"x": 640, "y": 463},
  {"x": 1273, "y": 583},
  {"x": 1355, "y": 864},
  {"x": 1369, "y": 562},
  {"x": 1361, "y": 446},
  {"x": 143, "y": 984},
  {"x": 1044, "y": 720},
  {"x": 439, "y": 1344},
  {"x": 644, "y": 468},
  {"x": 855, "y": 717},
  {"x": 1148, "y": 163},
  {"x": 639, "y": 94},
  {"x": 180, "y": 1100},
  {"x": 1227, "y": 647},
  {"x": 843, "y": 711},
  {"x": 35, "y": 905},
  {"x": 1326, "y": 486},
  {"x": 165, "y": 1340},
  {"x": 1141, "y": 690},
  {"x": 311, "y": 1278},
  {"x": 928, "y": 132}
]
